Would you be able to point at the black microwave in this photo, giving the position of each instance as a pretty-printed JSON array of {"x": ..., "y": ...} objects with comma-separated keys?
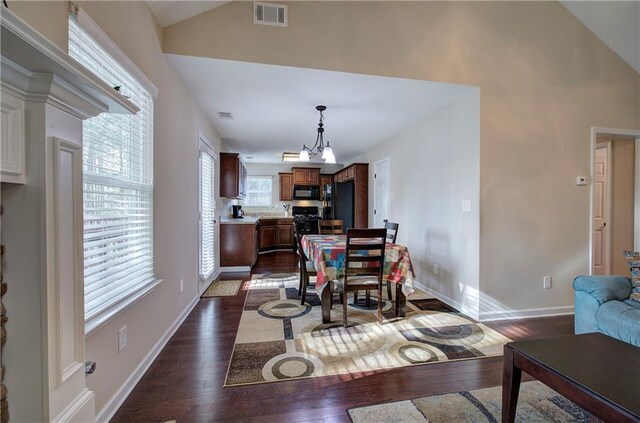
[{"x": 306, "y": 192}]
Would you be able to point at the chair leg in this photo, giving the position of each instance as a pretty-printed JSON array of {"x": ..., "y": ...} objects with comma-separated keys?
[
  {"x": 355, "y": 297},
  {"x": 305, "y": 283},
  {"x": 380, "y": 303},
  {"x": 389, "y": 291},
  {"x": 344, "y": 308},
  {"x": 367, "y": 295},
  {"x": 300, "y": 282}
]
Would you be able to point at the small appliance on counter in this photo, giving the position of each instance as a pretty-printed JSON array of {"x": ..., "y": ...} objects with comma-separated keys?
[{"x": 237, "y": 213}]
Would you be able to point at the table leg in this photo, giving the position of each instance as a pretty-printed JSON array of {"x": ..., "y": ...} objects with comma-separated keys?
[
  {"x": 511, "y": 376},
  {"x": 401, "y": 302},
  {"x": 326, "y": 299}
]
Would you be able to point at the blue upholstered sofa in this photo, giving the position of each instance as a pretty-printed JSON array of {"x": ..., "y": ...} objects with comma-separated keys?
[{"x": 603, "y": 305}]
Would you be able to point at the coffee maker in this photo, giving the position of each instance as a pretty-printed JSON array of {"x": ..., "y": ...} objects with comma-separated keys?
[{"x": 238, "y": 213}]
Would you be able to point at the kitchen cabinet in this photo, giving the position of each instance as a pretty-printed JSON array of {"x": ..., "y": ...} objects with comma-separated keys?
[
  {"x": 275, "y": 234},
  {"x": 324, "y": 180},
  {"x": 238, "y": 244},
  {"x": 306, "y": 175},
  {"x": 233, "y": 176},
  {"x": 286, "y": 186},
  {"x": 284, "y": 238},
  {"x": 267, "y": 234}
]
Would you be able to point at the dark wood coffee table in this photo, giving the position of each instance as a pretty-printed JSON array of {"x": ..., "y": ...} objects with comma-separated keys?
[{"x": 599, "y": 373}]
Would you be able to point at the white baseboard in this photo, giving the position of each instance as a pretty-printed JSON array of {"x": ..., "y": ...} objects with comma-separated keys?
[
  {"x": 449, "y": 301},
  {"x": 232, "y": 269},
  {"x": 525, "y": 313},
  {"x": 112, "y": 406},
  {"x": 499, "y": 314},
  {"x": 82, "y": 409}
]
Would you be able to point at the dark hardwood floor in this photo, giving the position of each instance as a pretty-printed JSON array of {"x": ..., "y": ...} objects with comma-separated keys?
[{"x": 185, "y": 381}]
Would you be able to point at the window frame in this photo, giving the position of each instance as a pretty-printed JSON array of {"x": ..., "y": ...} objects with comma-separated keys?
[
  {"x": 206, "y": 148},
  {"x": 270, "y": 205},
  {"x": 93, "y": 324}
]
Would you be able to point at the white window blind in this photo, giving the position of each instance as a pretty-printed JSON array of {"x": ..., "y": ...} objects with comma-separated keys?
[
  {"x": 207, "y": 214},
  {"x": 118, "y": 188},
  {"x": 259, "y": 191}
]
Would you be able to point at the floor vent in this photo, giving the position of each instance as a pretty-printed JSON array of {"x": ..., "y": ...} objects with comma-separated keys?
[{"x": 270, "y": 14}]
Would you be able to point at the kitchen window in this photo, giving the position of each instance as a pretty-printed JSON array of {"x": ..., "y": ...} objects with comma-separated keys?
[
  {"x": 259, "y": 191},
  {"x": 117, "y": 160}
]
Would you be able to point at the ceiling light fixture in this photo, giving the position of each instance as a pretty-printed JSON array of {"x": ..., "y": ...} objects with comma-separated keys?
[{"x": 326, "y": 152}]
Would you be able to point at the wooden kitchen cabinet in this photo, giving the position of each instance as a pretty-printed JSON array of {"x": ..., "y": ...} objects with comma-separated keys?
[
  {"x": 275, "y": 234},
  {"x": 233, "y": 176},
  {"x": 238, "y": 244},
  {"x": 267, "y": 234},
  {"x": 286, "y": 186},
  {"x": 306, "y": 175},
  {"x": 284, "y": 233}
]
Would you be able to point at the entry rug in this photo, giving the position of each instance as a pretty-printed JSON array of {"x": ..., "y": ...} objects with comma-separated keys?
[
  {"x": 280, "y": 339},
  {"x": 536, "y": 404},
  {"x": 222, "y": 289}
]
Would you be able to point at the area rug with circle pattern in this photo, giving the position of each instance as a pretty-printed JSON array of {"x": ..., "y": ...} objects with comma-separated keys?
[{"x": 280, "y": 339}]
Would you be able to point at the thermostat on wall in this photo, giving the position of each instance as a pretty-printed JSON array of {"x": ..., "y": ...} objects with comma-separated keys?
[{"x": 582, "y": 180}]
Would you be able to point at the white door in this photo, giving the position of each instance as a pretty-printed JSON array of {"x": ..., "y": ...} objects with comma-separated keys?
[
  {"x": 601, "y": 229},
  {"x": 207, "y": 214},
  {"x": 381, "y": 192}
]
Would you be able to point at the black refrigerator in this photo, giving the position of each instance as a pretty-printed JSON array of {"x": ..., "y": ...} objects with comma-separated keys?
[{"x": 342, "y": 202}]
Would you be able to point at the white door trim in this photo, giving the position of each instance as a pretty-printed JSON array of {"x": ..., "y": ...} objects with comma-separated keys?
[
  {"x": 375, "y": 190},
  {"x": 595, "y": 131},
  {"x": 205, "y": 146}
]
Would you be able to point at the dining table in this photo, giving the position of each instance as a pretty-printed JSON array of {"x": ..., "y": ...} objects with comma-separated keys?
[{"x": 327, "y": 254}]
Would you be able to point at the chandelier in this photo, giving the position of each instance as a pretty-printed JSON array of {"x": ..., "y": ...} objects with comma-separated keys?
[{"x": 326, "y": 152}]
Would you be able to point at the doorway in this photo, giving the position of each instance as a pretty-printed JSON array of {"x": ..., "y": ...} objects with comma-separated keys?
[
  {"x": 206, "y": 215},
  {"x": 381, "y": 170},
  {"x": 615, "y": 199}
]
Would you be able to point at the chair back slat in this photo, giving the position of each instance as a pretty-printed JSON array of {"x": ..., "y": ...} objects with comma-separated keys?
[
  {"x": 330, "y": 227},
  {"x": 392, "y": 231},
  {"x": 298, "y": 240},
  {"x": 371, "y": 241}
]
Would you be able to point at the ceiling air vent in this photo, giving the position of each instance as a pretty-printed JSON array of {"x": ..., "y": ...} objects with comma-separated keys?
[
  {"x": 269, "y": 14},
  {"x": 225, "y": 115}
]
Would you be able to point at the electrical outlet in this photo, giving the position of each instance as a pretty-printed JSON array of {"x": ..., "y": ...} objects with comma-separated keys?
[
  {"x": 436, "y": 269},
  {"x": 181, "y": 285},
  {"x": 466, "y": 206},
  {"x": 122, "y": 338},
  {"x": 546, "y": 282}
]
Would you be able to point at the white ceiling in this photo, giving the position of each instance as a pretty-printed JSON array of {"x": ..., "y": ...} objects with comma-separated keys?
[
  {"x": 617, "y": 23},
  {"x": 274, "y": 106},
  {"x": 170, "y": 12}
]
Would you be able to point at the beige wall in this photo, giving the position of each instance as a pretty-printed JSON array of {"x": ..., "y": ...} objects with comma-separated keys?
[
  {"x": 177, "y": 123},
  {"x": 622, "y": 200},
  {"x": 544, "y": 78},
  {"x": 434, "y": 167}
]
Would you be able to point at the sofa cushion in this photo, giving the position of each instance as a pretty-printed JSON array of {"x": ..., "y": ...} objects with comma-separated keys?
[
  {"x": 620, "y": 320},
  {"x": 633, "y": 260}
]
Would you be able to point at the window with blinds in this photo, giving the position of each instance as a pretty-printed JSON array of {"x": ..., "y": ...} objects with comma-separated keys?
[
  {"x": 118, "y": 188},
  {"x": 207, "y": 214}
]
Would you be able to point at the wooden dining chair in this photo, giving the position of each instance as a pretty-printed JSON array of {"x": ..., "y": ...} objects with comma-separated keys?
[
  {"x": 392, "y": 234},
  {"x": 363, "y": 265},
  {"x": 330, "y": 227},
  {"x": 306, "y": 267},
  {"x": 392, "y": 231}
]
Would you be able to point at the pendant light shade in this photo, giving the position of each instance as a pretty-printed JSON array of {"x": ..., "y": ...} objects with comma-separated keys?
[{"x": 304, "y": 155}]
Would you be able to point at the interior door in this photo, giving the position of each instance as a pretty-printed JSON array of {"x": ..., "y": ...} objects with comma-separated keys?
[
  {"x": 207, "y": 208},
  {"x": 601, "y": 229},
  {"x": 381, "y": 192}
]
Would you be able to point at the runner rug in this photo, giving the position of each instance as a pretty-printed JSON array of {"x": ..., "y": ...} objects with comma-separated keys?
[
  {"x": 536, "y": 404},
  {"x": 222, "y": 289},
  {"x": 280, "y": 339}
]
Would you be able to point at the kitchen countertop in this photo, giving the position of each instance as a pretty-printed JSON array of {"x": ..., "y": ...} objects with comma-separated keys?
[{"x": 251, "y": 220}]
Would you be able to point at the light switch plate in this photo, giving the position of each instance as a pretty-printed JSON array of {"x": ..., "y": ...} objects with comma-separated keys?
[
  {"x": 466, "y": 206},
  {"x": 181, "y": 285},
  {"x": 436, "y": 269},
  {"x": 122, "y": 338},
  {"x": 546, "y": 282}
]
